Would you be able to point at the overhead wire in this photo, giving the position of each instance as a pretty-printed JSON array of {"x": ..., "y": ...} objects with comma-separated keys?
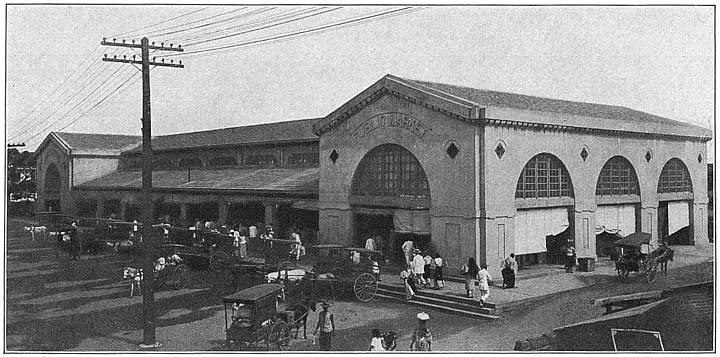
[
  {"x": 132, "y": 32},
  {"x": 343, "y": 23},
  {"x": 232, "y": 26},
  {"x": 159, "y": 32}
]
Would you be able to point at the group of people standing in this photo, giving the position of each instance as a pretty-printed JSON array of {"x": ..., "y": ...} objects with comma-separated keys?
[{"x": 421, "y": 271}]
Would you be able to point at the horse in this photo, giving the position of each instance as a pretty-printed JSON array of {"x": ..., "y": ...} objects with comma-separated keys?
[
  {"x": 663, "y": 260},
  {"x": 300, "y": 311},
  {"x": 136, "y": 276},
  {"x": 36, "y": 230}
]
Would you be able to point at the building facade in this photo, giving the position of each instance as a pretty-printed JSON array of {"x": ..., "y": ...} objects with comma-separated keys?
[{"x": 460, "y": 171}]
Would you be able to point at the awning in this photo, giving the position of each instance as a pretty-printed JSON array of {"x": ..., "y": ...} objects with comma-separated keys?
[{"x": 635, "y": 240}]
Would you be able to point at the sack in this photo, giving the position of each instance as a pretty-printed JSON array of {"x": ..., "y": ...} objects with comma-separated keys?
[{"x": 464, "y": 269}]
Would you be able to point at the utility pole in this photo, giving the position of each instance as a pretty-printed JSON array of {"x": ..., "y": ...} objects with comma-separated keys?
[{"x": 147, "y": 240}]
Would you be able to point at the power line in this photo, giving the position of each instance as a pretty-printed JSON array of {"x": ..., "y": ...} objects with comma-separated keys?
[
  {"x": 263, "y": 28},
  {"x": 242, "y": 25},
  {"x": 157, "y": 33},
  {"x": 301, "y": 32},
  {"x": 132, "y": 32}
]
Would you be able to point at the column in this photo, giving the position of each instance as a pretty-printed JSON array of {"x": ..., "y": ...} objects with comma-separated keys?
[
  {"x": 183, "y": 215},
  {"x": 100, "y": 208},
  {"x": 649, "y": 219},
  {"x": 222, "y": 212},
  {"x": 699, "y": 223},
  {"x": 271, "y": 214}
]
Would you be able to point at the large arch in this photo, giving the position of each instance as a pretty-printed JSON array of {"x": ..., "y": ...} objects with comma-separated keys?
[
  {"x": 617, "y": 194},
  {"x": 544, "y": 198},
  {"x": 390, "y": 199},
  {"x": 675, "y": 203}
]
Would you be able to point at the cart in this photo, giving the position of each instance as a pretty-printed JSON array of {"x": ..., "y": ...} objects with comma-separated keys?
[
  {"x": 633, "y": 260},
  {"x": 353, "y": 269},
  {"x": 252, "y": 319}
]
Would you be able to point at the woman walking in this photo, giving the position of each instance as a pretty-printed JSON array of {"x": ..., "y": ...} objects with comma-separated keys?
[
  {"x": 470, "y": 270},
  {"x": 422, "y": 338}
]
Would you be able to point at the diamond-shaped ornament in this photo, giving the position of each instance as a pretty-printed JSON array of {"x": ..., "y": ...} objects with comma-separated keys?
[
  {"x": 334, "y": 156},
  {"x": 452, "y": 150},
  {"x": 648, "y": 156},
  {"x": 699, "y": 158},
  {"x": 499, "y": 150},
  {"x": 584, "y": 154}
]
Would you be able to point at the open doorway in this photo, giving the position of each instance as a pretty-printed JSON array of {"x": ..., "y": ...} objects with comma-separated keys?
[{"x": 377, "y": 226}]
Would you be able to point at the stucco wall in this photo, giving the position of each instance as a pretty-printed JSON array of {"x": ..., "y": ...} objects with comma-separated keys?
[
  {"x": 451, "y": 181},
  {"x": 501, "y": 176},
  {"x": 86, "y": 169},
  {"x": 53, "y": 154}
]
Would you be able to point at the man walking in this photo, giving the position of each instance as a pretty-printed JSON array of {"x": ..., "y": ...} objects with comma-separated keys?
[
  {"x": 326, "y": 325},
  {"x": 508, "y": 267}
]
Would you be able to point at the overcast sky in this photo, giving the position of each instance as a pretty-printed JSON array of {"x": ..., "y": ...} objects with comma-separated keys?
[{"x": 655, "y": 59}]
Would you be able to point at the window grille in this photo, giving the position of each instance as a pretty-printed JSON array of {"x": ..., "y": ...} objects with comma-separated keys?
[
  {"x": 303, "y": 158},
  {"x": 390, "y": 170},
  {"x": 191, "y": 162},
  {"x": 674, "y": 178},
  {"x": 617, "y": 177},
  {"x": 261, "y": 160},
  {"x": 222, "y": 161},
  {"x": 544, "y": 176}
]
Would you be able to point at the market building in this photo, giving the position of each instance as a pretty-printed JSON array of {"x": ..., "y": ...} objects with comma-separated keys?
[{"x": 460, "y": 171}]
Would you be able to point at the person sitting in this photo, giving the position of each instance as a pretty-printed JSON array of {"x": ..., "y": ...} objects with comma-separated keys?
[{"x": 241, "y": 316}]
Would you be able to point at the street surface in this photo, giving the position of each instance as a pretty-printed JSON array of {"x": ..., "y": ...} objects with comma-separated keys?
[{"x": 56, "y": 304}]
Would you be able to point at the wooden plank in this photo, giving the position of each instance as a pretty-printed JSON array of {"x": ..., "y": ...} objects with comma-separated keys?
[{"x": 630, "y": 297}]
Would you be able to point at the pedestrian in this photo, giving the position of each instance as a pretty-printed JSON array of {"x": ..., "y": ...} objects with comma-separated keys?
[
  {"x": 409, "y": 282},
  {"x": 376, "y": 344},
  {"x": 75, "y": 243},
  {"x": 326, "y": 325},
  {"x": 418, "y": 267},
  {"x": 429, "y": 268},
  {"x": 253, "y": 231},
  {"x": 483, "y": 284},
  {"x": 508, "y": 267},
  {"x": 407, "y": 248},
  {"x": 439, "y": 278},
  {"x": 242, "y": 242},
  {"x": 370, "y": 244},
  {"x": 422, "y": 338},
  {"x": 236, "y": 242},
  {"x": 295, "y": 236},
  {"x": 470, "y": 271},
  {"x": 569, "y": 257}
]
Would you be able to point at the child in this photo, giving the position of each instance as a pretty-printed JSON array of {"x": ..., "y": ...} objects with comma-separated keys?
[{"x": 439, "y": 279}]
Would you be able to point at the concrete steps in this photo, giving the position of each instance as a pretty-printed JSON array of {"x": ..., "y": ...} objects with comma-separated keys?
[{"x": 450, "y": 304}]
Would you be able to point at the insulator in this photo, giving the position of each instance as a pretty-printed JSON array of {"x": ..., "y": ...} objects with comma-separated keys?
[
  {"x": 171, "y": 61},
  {"x": 123, "y": 41},
  {"x": 115, "y": 56},
  {"x": 153, "y": 43},
  {"x": 124, "y": 57},
  {"x": 133, "y": 56},
  {"x": 171, "y": 45},
  {"x": 133, "y": 41},
  {"x": 104, "y": 39},
  {"x": 162, "y": 60},
  {"x": 180, "y": 61},
  {"x": 162, "y": 44},
  {"x": 154, "y": 59},
  {"x": 106, "y": 55},
  {"x": 179, "y": 46},
  {"x": 114, "y": 39}
]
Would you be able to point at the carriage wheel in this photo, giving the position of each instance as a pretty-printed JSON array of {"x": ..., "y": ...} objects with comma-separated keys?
[
  {"x": 365, "y": 287},
  {"x": 180, "y": 277},
  {"x": 218, "y": 261},
  {"x": 279, "y": 337}
]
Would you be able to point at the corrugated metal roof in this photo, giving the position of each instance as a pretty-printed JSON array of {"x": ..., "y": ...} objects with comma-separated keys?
[
  {"x": 295, "y": 130},
  {"x": 540, "y": 104},
  {"x": 279, "y": 180},
  {"x": 99, "y": 143}
]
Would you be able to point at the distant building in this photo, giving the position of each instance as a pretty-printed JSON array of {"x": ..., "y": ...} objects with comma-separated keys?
[{"x": 462, "y": 171}]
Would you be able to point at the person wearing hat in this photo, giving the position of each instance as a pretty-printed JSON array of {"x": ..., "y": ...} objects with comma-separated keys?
[
  {"x": 418, "y": 267},
  {"x": 422, "y": 338},
  {"x": 326, "y": 325}
]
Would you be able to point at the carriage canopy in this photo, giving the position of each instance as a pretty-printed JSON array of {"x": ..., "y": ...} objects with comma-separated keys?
[
  {"x": 634, "y": 240},
  {"x": 253, "y": 294}
]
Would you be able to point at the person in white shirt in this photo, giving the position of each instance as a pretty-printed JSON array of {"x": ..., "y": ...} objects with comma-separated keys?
[
  {"x": 407, "y": 248},
  {"x": 418, "y": 267},
  {"x": 370, "y": 244},
  {"x": 376, "y": 344},
  {"x": 439, "y": 278},
  {"x": 296, "y": 249},
  {"x": 483, "y": 283},
  {"x": 242, "y": 242},
  {"x": 253, "y": 231}
]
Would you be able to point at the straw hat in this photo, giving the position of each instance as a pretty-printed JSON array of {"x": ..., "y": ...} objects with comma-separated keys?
[{"x": 423, "y": 316}]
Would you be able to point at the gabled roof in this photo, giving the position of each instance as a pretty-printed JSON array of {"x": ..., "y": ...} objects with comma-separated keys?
[
  {"x": 92, "y": 144},
  {"x": 469, "y": 103},
  {"x": 267, "y": 180},
  {"x": 287, "y": 131}
]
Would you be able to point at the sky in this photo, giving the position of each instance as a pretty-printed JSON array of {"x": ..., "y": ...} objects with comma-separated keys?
[{"x": 657, "y": 59}]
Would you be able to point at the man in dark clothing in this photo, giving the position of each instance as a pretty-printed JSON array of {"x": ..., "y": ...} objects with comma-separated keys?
[
  {"x": 326, "y": 325},
  {"x": 508, "y": 271}
]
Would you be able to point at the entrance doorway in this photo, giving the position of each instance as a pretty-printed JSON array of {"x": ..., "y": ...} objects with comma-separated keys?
[{"x": 674, "y": 222}]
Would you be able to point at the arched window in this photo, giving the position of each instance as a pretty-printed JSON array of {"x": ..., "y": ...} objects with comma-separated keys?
[
  {"x": 163, "y": 164},
  {"x": 52, "y": 180},
  {"x": 544, "y": 176},
  {"x": 222, "y": 161},
  {"x": 674, "y": 178},
  {"x": 390, "y": 170},
  {"x": 191, "y": 162},
  {"x": 617, "y": 177}
]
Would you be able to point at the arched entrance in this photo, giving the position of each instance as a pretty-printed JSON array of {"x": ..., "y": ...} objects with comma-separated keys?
[
  {"x": 675, "y": 200},
  {"x": 544, "y": 200},
  {"x": 617, "y": 194},
  {"x": 390, "y": 200},
  {"x": 52, "y": 188}
]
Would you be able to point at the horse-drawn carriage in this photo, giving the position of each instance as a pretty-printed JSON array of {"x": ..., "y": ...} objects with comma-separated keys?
[
  {"x": 638, "y": 262},
  {"x": 168, "y": 271},
  {"x": 354, "y": 269},
  {"x": 253, "y": 318}
]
